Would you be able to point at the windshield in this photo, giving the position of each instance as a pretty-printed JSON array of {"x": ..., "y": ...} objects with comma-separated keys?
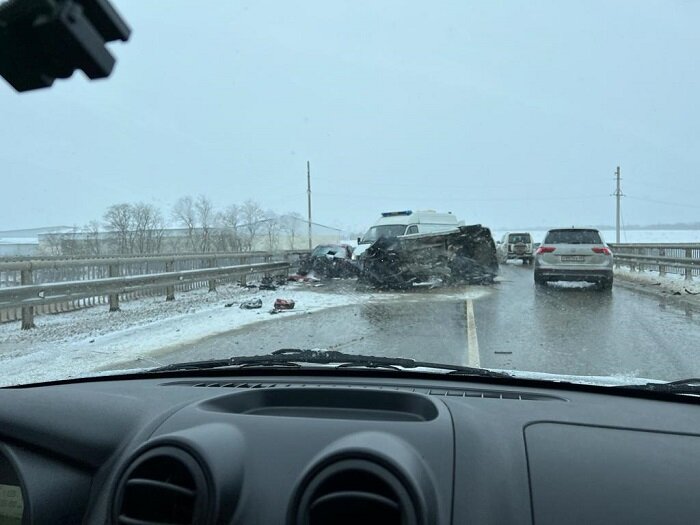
[
  {"x": 386, "y": 230},
  {"x": 519, "y": 237},
  {"x": 572, "y": 237},
  {"x": 181, "y": 206}
]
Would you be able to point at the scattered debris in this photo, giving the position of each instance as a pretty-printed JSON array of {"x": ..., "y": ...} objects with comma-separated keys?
[
  {"x": 310, "y": 278},
  {"x": 284, "y": 304},
  {"x": 464, "y": 255},
  {"x": 330, "y": 261},
  {"x": 229, "y": 305},
  {"x": 252, "y": 304}
]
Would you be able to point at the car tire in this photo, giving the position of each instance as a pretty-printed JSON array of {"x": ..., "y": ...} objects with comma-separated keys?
[
  {"x": 539, "y": 280},
  {"x": 606, "y": 284}
]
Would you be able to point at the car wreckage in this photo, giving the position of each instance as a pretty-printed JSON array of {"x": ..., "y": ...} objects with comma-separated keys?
[
  {"x": 466, "y": 254},
  {"x": 329, "y": 261}
]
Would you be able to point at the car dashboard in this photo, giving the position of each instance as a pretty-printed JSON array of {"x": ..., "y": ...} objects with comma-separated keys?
[{"x": 297, "y": 448}]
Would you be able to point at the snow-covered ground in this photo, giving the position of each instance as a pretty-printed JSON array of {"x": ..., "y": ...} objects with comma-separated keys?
[
  {"x": 77, "y": 343},
  {"x": 671, "y": 283},
  {"x": 632, "y": 236}
]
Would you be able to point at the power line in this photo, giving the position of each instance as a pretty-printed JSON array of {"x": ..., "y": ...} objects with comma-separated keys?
[{"x": 654, "y": 201}]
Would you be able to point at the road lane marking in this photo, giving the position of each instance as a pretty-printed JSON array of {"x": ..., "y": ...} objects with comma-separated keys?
[{"x": 472, "y": 340}]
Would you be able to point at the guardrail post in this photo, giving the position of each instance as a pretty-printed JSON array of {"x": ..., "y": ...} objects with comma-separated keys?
[
  {"x": 212, "y": 282},
  {"x": 244, "y": 280},
  {"x": 688, "y": 269},
  {"x": 114, "y": 297},
  {"x": 662, "y": 267},
  {"x": 27, "y": 311},
  {"x": 170, "y": 290}
]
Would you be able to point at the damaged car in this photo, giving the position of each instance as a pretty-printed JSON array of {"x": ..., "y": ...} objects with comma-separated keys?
[
  {"x": 329, "y": 261},
  {"x": 466, "y": 255}
]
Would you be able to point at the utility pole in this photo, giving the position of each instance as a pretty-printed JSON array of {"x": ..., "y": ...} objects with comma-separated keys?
[
  {"x": 618, "y": 194},
  {"x": 308, "y": 194}
]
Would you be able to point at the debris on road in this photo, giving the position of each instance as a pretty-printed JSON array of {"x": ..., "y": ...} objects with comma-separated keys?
[
  {"x": 229, "y": 305},
  {"x": 466, "y": 254},
  {"x": 283, "y": 304},
  {"x": 252, "y": 304},
  {"x": 329, "y": 261},
  {"x": 310, "y": 278}
]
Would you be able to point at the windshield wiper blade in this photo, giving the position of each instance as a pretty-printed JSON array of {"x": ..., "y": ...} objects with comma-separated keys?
[
  {"x": 296, "y": 357},
  {"x": 690, "y": 385}
]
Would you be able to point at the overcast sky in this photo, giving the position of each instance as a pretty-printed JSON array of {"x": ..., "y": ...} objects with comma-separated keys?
[{"x": 505, "y": 113}]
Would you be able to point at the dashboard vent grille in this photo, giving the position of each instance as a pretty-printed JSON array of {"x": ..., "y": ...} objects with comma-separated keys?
[
  {"x": 443, "y": 392},
  {"x": 355, "y": 491},
  {"x": 164, "y": 486}
]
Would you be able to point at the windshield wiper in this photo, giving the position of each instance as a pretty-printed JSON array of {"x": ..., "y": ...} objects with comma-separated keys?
[
  {"x": 690, "y": 385},
  {"x": 296, "y": 358}
]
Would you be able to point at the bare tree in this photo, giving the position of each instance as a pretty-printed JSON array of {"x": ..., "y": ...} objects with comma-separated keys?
[
  {"x": 290, "y": 225},
  {"x": 184, "y": 214},
  {"x": 271, "y": 225},
  {"x": 204, "y": 212},
  {"x": 119, "y": 219},
  {"x": 148, "y": 227},
  {"x": 91, "y": 232},
  {"x": 251, "y": 215},
  {"x": 228, "y": 236}
]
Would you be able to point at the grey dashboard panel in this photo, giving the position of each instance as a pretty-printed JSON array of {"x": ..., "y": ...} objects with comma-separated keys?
[
  {"x": 471, "y": 452},
  {"x": 591, "y": 474}
]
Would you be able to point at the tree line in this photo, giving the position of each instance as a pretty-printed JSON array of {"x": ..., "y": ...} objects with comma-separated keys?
[{"x": 191, "y": 225}]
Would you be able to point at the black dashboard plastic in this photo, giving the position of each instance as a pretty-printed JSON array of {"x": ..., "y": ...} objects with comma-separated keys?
[{"x": 303, "y": 449}]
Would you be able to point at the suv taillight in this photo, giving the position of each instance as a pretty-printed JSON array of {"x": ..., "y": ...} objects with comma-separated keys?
[
  {"x": 604, "y": 251},
  {"x": 545, "y": 249}
]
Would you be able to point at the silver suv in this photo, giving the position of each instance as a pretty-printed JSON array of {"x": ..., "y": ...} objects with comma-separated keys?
[
  {"x": 574, "y": 254},
  {"x": 515, "y": 246}
]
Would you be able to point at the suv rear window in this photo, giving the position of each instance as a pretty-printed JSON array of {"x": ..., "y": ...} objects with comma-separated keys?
[
  {"x": 573, "y": 237},
  {"x": 519, "y": 237}
]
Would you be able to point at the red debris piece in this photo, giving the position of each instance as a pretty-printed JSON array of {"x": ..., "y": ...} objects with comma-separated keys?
[{"x": 284, "y": 304}]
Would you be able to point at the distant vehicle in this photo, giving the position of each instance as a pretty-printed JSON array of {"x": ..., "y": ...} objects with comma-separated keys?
[
  {"x": 329, "y": 260},
  {"x": 574, "y": 254},
  {"x": 407, "y": 222},
  {"x": 516, "y": 245}
]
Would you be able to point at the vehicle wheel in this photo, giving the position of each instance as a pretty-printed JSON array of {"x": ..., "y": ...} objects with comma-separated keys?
[
  {"x": 539, "y": 280},
  {"x": 606, "y": 284}
]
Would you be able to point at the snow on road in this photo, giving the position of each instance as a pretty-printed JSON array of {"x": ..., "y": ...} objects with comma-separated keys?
[{"x": 78, "y": 343}]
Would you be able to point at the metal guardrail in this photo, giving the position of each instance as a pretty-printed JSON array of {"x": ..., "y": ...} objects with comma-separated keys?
[
  {"x": 40, "y": 285},
  {"x": 676, "y": 258}
]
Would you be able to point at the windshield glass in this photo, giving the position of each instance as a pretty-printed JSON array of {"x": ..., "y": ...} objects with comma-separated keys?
[
  {"x": 519, "y": 237},
  {"x": 168, "y": 210},
  {"x": 573, "y": 237},
  {"x": 386, "y": 230}
]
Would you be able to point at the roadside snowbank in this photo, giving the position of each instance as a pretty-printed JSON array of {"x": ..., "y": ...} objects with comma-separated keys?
[
  {"x": 673, "y": 284},
  {"x": 77, "y": 343}
]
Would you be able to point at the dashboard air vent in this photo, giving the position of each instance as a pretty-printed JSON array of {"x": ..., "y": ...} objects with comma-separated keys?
[
  {"x": 354, "y": 491},
  {"x": 164, "y": 486}
]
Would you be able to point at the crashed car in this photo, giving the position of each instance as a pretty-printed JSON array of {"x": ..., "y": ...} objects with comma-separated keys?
[
  {"x": 466, "y": 254},
  {"x": 329, "y": 261}
]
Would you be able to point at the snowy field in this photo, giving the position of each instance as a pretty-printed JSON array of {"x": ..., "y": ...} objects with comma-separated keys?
[{"x": 634, "y": 236}]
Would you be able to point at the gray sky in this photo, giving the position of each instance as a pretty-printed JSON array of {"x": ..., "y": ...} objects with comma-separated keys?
[{"x": 505, "y": 113}]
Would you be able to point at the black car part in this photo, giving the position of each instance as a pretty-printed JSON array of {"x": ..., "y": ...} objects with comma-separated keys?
[{"x": 42, "y": 40}]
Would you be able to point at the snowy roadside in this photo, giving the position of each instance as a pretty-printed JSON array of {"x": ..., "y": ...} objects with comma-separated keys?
[
  {"x": 78, "y": 343},
  {"x": 671, "y": 285}
]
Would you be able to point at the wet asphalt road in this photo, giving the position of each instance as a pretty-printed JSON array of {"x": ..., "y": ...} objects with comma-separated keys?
[{"x": 576, "y": 330}]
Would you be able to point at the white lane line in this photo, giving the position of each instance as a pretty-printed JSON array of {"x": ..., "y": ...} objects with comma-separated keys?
[{"x": 472, "y": 340}]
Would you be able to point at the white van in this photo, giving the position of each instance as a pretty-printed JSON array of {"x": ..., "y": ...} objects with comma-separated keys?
[{"x": 396, "y": 223}]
